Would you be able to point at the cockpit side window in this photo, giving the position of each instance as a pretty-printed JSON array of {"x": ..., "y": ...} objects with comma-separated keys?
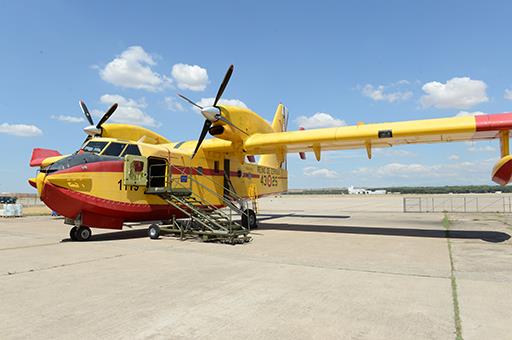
[
  {"x": 94, "y": 147},
  {"x": 113, "y": 149},
  {"x": 131, "y": 149}
]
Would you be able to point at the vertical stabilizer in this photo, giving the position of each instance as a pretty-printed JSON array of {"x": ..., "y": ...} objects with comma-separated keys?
[{"x": 279, "y": 124}]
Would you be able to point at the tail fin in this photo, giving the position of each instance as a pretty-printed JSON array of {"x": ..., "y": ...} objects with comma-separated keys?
[
  {"x": 39, "y": 155},
  {"x": 279, "y": 124}
]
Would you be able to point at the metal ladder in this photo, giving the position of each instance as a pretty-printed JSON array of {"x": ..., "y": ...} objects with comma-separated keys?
[{"x": 204, "y": 219}]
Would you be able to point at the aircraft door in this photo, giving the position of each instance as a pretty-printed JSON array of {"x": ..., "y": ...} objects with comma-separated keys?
[{"x": 135, "y": 170}]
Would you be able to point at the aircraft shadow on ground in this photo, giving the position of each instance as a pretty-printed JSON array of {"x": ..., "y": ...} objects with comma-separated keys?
[
  {"x": 488, "y": 236},
  {"x": 265, "y": 217}
]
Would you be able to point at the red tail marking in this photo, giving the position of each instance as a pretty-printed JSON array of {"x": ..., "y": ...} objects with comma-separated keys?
[{"x": 39, "y": 155}]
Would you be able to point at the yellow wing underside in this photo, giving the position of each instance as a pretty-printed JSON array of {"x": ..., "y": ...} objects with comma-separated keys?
[{"x": 361, "y": 136}]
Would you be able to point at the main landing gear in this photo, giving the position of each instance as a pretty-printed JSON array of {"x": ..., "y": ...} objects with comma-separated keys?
[
  {"x": 249, "y": 219},
  {"x": 82, "y": 233}
]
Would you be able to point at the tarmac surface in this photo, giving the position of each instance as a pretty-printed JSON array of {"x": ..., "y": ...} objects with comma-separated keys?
[{"x": 319, "y": 267}]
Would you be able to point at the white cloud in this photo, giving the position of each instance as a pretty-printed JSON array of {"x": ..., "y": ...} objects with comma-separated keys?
[
  {"x": 508, "y": 94},
  {"x": 466, "y": 113},
  {"x": 132, "y": 69},
  {"x": 129, "y": 111},
  {"x": 459, "y": 93},
  {"x": 21, "y": 130},
  {"x": 486, "y": 148},
  {"x": 319, "y": 120},
  {"x": 68, "y": 119},
  {"x": 232, "y": 102},
  {"x": 190, "y": 77},
  {"x": 395, "y": 152},
  {"x": 173, "y": 105},
  {"x": 399, "y": 169},
  {"x": 461, "y": 170},
  {"x": 454, "y": 157},
  {"x": 387, "y": 92},
  {"x": 312, "y": 171}
]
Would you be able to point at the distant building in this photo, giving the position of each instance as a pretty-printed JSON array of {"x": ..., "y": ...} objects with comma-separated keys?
[{"x": 361, "y": 191}]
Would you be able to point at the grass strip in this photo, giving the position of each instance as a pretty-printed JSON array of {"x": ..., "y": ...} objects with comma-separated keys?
[{"x": 455, "y": 296}]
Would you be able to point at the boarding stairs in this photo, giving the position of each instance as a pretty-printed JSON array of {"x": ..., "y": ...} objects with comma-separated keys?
[{"x": 209, "y": 221}]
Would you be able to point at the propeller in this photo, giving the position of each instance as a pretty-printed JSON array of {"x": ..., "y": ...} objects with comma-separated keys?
[
  {"x": 93, "y": 130},
  {"x": 212, "y": 113}
]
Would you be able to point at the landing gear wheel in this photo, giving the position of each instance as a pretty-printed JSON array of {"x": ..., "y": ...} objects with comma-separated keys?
[
  {"x": 154, "y": 231},
  {"x": 249, "y": 219},
  {"x": 83, "y": 233},
  {"x": 72, "y": 234}
]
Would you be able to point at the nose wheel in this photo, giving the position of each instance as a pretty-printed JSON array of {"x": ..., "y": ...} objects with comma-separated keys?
[{"x": 82, "y": 233}]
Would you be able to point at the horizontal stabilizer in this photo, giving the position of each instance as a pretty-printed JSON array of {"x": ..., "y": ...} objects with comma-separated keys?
[{"x": 39, "y": 155}]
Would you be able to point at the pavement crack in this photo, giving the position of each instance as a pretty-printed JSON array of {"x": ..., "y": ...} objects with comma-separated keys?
[
  {"x": 62, "y": 265},
  {"x": 31, "y": 246}
]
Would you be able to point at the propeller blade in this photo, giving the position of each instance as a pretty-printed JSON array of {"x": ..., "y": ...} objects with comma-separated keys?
[
  {"x": 107, "y": 115},
  {"x": 85, "y": 110},
  {"x": 190, "y": 101},
  {"x": 224, "y": 84},
  {"x": 86, "y": 140},
  {"x": 231, "y": 124},
  {"x": 206, "y": 127}
]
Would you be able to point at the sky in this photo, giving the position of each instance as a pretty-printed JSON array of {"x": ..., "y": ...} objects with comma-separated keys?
[{"x": 332, "y": 63}]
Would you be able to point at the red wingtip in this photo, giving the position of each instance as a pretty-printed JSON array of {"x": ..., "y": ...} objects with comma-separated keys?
[{"x": 494, "y": 122}]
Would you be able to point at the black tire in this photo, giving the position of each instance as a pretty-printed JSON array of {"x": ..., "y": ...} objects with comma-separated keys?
[
  {"x": 154, "y": 231},
  {"x": 83, "y": 233},
  {"x": 72, "y": 234},
  {"x": 249, "y": 219}
]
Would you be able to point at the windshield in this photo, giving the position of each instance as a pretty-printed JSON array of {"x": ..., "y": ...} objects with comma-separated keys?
[
  {"x": 114, "y": 149},
  {"x": 131, "y": 149},
  {"x": 94, "y": 147}
]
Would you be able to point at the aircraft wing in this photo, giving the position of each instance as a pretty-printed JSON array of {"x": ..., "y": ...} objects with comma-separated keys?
[
  {"x": 382, "y": 134},
  {"x": 369, "y": 136}
]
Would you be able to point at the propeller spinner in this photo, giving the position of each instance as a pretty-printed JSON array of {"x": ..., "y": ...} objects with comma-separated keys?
[
  {"x": 212, "y": 113},
  {"x": 95, "y": 130}
]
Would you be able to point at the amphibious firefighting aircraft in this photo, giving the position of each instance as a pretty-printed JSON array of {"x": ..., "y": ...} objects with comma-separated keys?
[{"x": 125, "y": 173}]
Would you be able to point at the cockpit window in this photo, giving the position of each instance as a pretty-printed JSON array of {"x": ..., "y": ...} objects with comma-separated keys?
[
  {"x": 114, "y": 149},
  {"x": 131, "y": 149},
  {"x": 94, "y": 147}
]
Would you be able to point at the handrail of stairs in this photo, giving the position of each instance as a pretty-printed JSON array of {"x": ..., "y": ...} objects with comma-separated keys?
[
  {"x": 228, "y": 202},
  {"x": 173, "y": 182}
]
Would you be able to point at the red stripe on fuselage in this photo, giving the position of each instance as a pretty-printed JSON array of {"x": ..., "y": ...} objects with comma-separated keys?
[
  {"x": 177, "y": 170},
  {"x": 105, "y": 166}
]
